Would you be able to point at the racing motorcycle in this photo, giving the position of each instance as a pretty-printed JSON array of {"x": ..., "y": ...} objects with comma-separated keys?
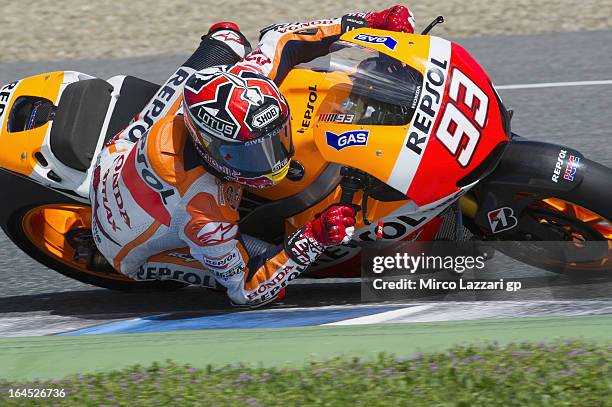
[{"x": 407, "y": 126}]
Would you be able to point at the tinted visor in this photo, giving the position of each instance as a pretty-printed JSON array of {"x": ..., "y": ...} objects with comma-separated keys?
[{"x": 264, "y": 155}]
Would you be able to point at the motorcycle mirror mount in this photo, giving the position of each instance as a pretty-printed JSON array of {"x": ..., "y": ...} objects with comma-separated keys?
[
  {"x": 354, "y": 180},
  {"x": 438, "y": 20}
]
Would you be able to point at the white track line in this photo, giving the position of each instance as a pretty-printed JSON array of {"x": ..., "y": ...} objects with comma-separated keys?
[
  {"x": 553, "y": 85},
  {"x": 383, "y": 316},
  {"x": 475, "y": 310}
]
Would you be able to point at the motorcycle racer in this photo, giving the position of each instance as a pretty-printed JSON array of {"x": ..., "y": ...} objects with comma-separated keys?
[{"x": 174, "y": 176}]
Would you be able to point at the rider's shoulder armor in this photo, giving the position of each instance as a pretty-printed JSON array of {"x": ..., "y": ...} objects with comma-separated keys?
[{"x": 168, "y": 150}]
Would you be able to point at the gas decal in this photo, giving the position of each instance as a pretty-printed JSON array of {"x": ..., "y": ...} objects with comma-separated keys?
[
  {"x": 347, "y": 139},
  {"x": 388, "y": 42}
]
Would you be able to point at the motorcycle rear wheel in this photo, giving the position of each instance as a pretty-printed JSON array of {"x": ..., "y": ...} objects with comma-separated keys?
[{"x": 41, "y": 230}]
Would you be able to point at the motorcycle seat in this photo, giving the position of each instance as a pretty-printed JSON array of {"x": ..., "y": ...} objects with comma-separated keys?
[
  {"x": 80, "y": 115},
  {"x": 78, "y": 121}
]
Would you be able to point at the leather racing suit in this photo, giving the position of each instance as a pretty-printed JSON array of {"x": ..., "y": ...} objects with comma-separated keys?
[{"x": 152, "y": 197}]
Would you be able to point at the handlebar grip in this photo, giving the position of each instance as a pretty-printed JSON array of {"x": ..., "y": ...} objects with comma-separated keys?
[
  {"x": 350, "y": 184},
  {"x": 347, "y": 196}
]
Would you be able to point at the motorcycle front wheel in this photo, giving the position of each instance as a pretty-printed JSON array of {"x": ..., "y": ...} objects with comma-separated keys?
[{"x": 580, "y": 219}]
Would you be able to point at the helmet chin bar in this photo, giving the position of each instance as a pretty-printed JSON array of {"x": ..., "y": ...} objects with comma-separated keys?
[{"x": 229, "y": 175}]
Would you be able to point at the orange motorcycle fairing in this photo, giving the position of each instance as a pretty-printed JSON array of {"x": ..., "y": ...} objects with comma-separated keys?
[{"x": 19, "y": 148}]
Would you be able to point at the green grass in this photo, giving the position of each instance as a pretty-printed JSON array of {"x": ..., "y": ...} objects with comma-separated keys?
[{"x": 560, "y": 373}]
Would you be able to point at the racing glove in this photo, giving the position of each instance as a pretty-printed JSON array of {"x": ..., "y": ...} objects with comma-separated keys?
[
  {"x": 334, "y": 226},
  {"x": 396, "y": 18}
]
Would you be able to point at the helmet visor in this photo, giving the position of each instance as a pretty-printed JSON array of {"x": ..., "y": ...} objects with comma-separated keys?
[{"x": 263, "y": 155}]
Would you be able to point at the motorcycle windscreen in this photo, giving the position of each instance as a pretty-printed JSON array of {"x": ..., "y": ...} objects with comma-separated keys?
[
  {"x": 381, "y": 90},
  {"x": 369, "y": 100}
]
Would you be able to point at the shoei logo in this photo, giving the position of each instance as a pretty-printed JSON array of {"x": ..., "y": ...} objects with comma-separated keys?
[
  {"x": 348, "y": 139},
  {"x": 502, "y": 219},
  {"x": 267, "y": 116},
  {"x": 388, "y": 42}
]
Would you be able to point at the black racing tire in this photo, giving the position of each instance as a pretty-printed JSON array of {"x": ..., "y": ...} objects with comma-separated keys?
[
  {"x": 594, "y": 193},
  {"x": 595, "y": 190},
  {"x": 14, "y": 230}
]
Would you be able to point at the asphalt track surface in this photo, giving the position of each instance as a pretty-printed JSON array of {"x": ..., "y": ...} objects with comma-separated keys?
[{"x": 576, "y": 116}]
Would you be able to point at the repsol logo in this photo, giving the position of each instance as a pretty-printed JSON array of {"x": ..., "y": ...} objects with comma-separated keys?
[
  {"x": 158, "y": 105},
  {"x": 221, "y": 262},
  {"x": 166, "y": 273},
  {"x": 572, "y": 166},
  {"x": 148, "y": 176},
  {"x": 429, "y": 105},
  {"x": 559, "y": 165},
  {"x": 5, "y": 96},
  {"x": 308, "y": 113}
]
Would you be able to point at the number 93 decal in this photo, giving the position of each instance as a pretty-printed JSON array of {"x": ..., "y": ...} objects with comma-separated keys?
[{"x": 459, "y": 133}]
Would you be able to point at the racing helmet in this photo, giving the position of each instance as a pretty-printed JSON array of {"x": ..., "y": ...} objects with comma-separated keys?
[{"x": 239, "y": 123}]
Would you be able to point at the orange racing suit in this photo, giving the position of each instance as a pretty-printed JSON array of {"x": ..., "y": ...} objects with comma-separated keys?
[{"x": 151, "y": 196}]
